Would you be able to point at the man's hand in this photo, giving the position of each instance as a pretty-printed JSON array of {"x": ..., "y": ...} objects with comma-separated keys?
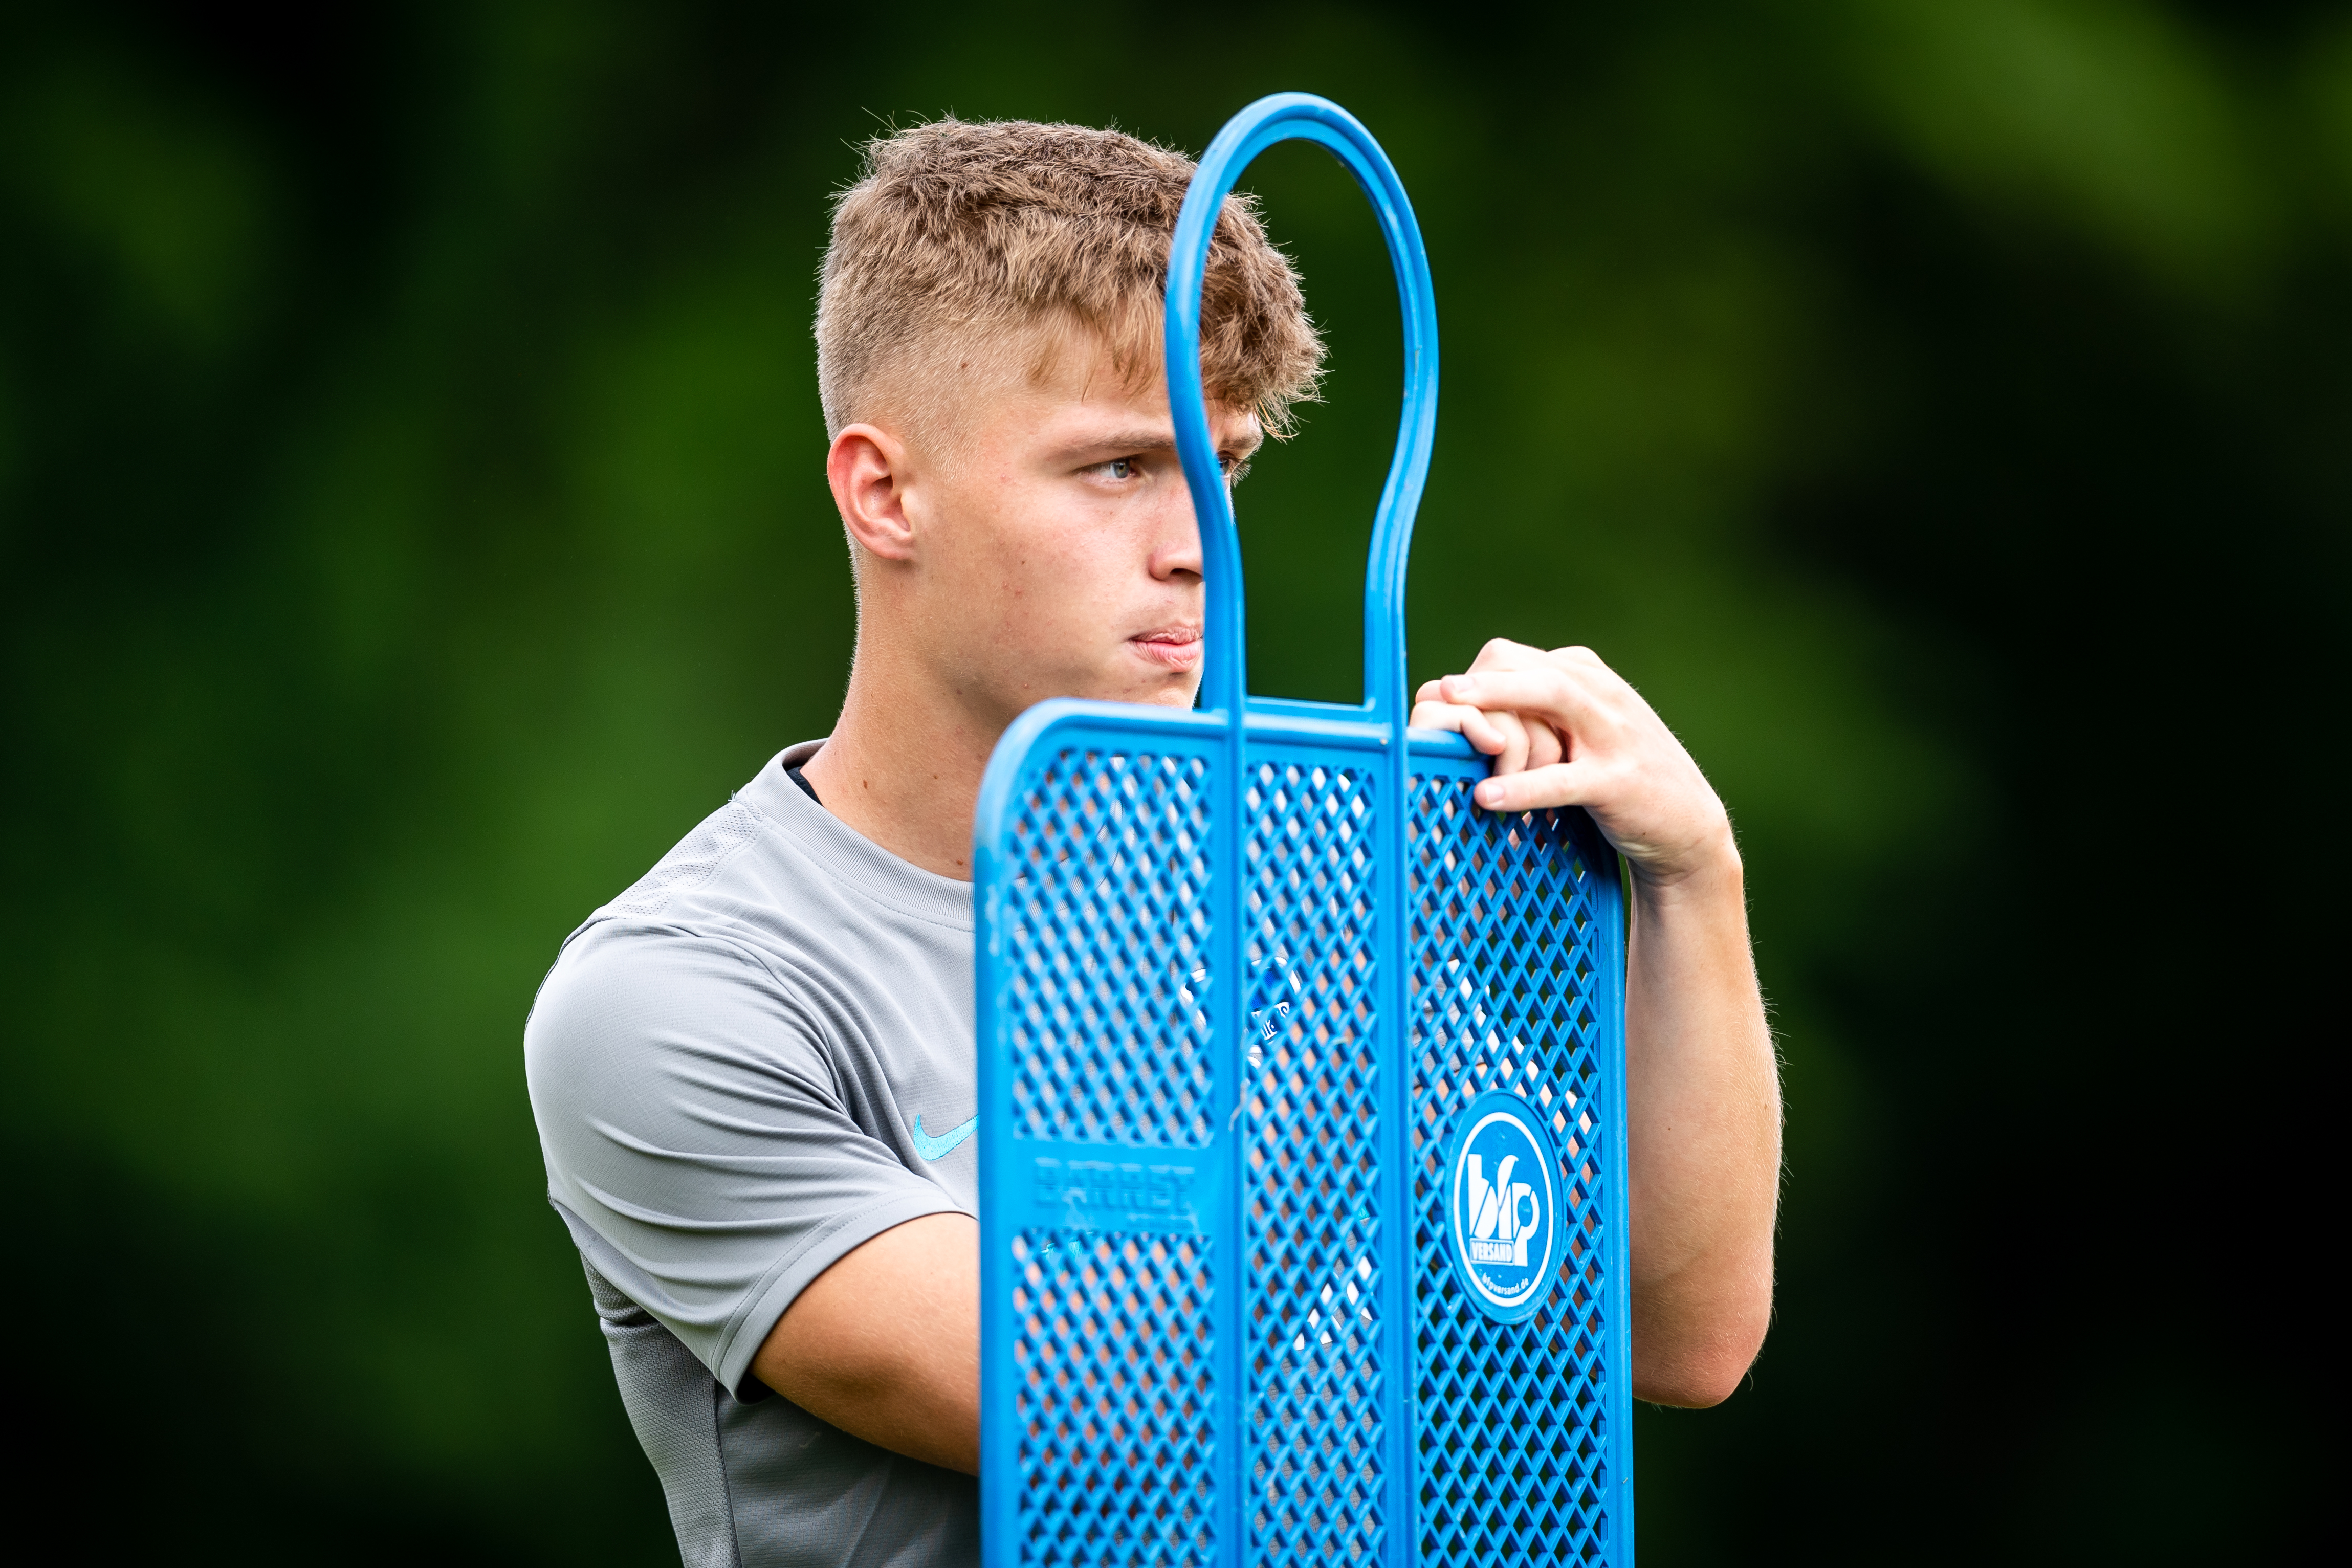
[
  {"x": 1565, "y": 730},
  {"x": 1702, "y": 1152}
]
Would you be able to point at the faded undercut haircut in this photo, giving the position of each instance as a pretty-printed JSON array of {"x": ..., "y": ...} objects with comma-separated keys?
[{"x": 983, "y": 239}]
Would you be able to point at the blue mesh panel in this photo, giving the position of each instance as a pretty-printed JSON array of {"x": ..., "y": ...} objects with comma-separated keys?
[
  {"x": 1110, "y": 858},
  {"x": 1113, "y": 1397},
  {"x": 1313, "y": 1426},
  {"x": 1511, "y": 1437},
  {"x": 1296, "y": 997}
]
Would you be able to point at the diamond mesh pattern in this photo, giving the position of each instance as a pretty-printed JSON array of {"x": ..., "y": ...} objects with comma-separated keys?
[
  {"x": 1312, "y": 1431},
  {"x": 1113, "y": 1396},
  {"x": 1112, "y": 853},
  {"x": 1511, "y": 1436}
]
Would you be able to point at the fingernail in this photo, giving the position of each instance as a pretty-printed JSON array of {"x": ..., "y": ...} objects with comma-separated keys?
[{"x": 1488, "y": 792}]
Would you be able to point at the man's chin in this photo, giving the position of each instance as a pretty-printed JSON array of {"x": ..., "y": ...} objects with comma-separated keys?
[
  {"x": 1155, "y": 688},
  {"x": 1124, "y": 678}
]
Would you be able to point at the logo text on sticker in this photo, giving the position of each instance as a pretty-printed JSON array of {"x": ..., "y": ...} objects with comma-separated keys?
[{"x": 1503, "y": 1205}]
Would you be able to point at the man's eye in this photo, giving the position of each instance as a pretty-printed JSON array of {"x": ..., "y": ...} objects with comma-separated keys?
[{"x": 1120, "y": 467}]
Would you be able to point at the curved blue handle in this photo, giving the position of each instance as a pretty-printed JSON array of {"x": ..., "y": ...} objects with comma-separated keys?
[{"x": 1283, "y": 117}]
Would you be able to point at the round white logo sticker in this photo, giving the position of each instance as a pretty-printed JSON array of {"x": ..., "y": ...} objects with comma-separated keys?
[{"x": 1503, "y": 1205}]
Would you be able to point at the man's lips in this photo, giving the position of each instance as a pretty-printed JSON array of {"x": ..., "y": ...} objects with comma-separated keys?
[{"x": 1172, "y": 647}]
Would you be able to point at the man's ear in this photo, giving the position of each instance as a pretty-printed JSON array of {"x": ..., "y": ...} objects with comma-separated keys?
[{"x": 867, "y": 468}]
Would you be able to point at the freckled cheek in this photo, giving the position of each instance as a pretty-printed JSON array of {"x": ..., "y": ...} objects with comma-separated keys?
[
  {"x": 1050, "y": 557},
  {"x": 1043, "y": 600}
]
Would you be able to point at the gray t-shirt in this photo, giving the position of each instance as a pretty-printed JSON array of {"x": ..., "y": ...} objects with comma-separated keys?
[{"x": 752, "y": 1062}]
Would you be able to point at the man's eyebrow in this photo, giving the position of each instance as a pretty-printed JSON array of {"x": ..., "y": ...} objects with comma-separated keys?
[
  {"x": 1123, "y": 441},
  {"x": 1128, "y": 441}
]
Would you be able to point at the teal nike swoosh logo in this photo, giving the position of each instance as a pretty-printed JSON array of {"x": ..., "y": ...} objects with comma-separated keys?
[{"x": 932, "y": 1148}]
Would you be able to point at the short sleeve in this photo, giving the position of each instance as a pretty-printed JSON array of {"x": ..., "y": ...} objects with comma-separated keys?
[{"x": 696, "y": 1142}]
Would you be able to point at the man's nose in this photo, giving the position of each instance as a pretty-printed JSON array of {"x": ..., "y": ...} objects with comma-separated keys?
[{"x": 1176, "y": 545}]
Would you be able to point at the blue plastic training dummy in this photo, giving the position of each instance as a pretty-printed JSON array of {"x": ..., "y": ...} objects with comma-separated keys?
[{"x": 1301, "y": 1148}]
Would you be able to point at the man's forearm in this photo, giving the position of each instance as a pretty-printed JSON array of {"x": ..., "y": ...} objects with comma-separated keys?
[
  {"x": 1703, "y": 1151},
  {"x": 885, "y": 1343}
]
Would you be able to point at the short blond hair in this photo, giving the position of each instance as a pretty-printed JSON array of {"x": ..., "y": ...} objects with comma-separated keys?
[{"x": 962, "y": 234}]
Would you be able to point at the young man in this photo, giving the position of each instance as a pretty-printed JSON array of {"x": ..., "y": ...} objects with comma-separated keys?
[{"x": 753, "y": 1072}]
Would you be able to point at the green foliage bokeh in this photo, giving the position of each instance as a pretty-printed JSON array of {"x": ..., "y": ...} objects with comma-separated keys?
[{"x": 412, "y": 521}]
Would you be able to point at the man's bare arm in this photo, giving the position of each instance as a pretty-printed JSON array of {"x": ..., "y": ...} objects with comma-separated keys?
[
  {"x": 885, "y": 1343},
  {"x": 1703, "y": 1100},
  {"x": 1703, "y": 1150}
]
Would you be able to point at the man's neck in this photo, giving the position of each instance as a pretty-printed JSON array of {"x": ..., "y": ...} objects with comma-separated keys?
[{"x": 903, "y": 768}]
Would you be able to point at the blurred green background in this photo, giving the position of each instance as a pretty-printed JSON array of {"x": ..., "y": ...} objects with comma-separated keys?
[{"x": 412, "y": 521}]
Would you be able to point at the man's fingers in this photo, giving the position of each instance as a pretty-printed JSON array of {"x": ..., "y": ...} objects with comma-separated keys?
[
  {"x": 1554, "y": 692},
  {"x": 1513, "y": 757},
  {"x": 1502, "y": 654},
  {"x": 1561, "y": 784},
  {"x": 1512, "y": 740},
  {"x": 1544, "y": 744},
  {"x": 1430, "y": 713},
  {"x": 1516, "y": 742},
  {"x": 1491, "y": 733},
  {"x": 1494, "y": 734}
]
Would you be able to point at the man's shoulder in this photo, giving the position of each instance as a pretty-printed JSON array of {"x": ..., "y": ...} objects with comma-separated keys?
[
  {"x": 769, "y": 913},
  {"x": 737, "y": 872},
  {"x": 711, "y": 917},
  {"x": 692, "y": 863},
  {"x": 773, "y": 862}
]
